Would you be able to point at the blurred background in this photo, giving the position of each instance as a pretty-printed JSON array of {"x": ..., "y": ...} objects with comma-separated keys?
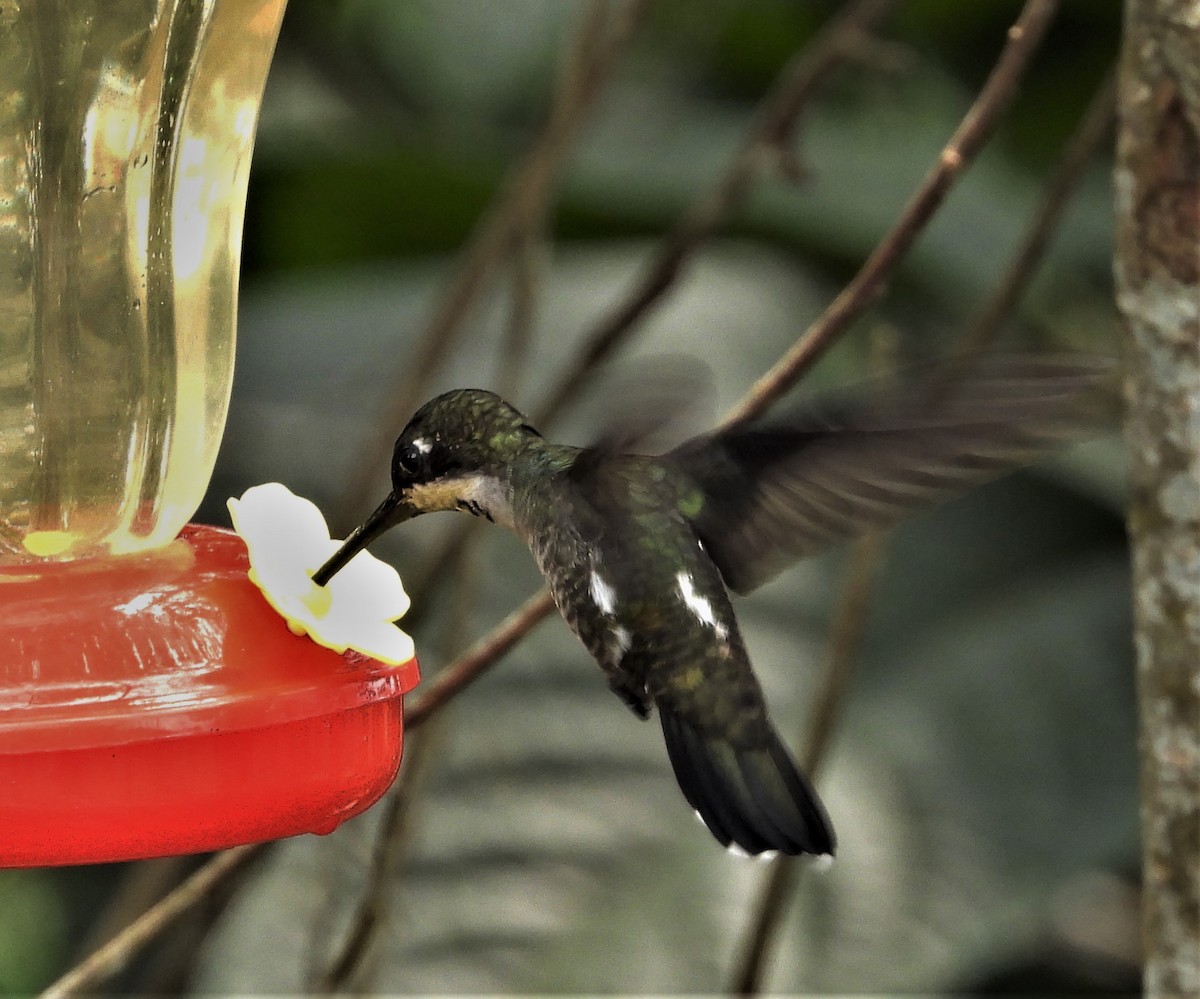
[{"x": 982, "y": 772}]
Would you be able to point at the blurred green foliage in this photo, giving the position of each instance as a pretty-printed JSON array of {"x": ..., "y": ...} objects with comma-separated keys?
[
  {"x": 410, "y": 178},
  {"x": 32, "y": 934}
]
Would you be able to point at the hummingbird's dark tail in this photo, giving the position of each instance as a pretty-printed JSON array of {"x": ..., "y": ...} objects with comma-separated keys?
[{"x": 754, "y": 798}]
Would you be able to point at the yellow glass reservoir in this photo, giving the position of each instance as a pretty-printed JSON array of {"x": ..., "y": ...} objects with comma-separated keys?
[{"x": 125, "y": 135}]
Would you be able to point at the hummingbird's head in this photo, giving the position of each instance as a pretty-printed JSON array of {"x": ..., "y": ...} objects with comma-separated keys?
[
  {"x": 453, "y": 455},
  {"x": 455, "y": 451}
]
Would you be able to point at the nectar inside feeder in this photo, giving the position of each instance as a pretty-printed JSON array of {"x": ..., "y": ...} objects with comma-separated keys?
[{"x": 151, "y": 700}]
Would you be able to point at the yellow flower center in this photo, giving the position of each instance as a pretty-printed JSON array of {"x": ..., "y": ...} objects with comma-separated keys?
[{"x": 318, "y": 600}]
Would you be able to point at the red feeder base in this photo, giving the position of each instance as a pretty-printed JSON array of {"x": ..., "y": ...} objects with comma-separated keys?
[{"x": 155, "y": 704}]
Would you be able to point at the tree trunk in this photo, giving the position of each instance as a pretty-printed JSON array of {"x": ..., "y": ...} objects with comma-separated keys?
[{"x": 1158, "y": 289}]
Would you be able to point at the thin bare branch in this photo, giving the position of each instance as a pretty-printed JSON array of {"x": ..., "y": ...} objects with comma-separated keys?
[
  {"x": 769, "y": 133},
  {"x": 394, "y": 835},
  {"x": 142, "y": 884},
  {"x": 114, "y": 955},
  {"x": 844, "y": 639},
  {"x": 974, "y": 129},
  {"x": 765, "y": 147},
  {"x": 603, "y": 33},
  {"x": 845, "y": 636},
  {"x": 431, "y": 572},
  {"x": 1094, "y": 126},
  {"x": 391, "y": 841},
  {"x": 450, "y": 681},
  {"x": 105, "y": 962},
  {"x": 529, "y": 261},
  {"x": 781, "y": 879},
  {"x": 771, "y": 908}
]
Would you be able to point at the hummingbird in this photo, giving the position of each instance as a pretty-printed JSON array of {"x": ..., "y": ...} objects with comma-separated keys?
[{"x": 641, "y": 552}]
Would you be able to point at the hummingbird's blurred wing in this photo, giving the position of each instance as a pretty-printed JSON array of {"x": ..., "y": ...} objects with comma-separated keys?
[{"x": 774, "y": 493}]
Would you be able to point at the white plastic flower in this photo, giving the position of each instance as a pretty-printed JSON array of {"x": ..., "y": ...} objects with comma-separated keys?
[{"x": 288, "y": 541}]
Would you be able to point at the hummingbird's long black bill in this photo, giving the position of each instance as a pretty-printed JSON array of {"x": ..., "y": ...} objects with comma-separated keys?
[{"x": 390, "y": 512}]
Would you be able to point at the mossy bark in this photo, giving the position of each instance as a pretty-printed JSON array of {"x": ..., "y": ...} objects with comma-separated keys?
[{"x": 1158, "y": 286}]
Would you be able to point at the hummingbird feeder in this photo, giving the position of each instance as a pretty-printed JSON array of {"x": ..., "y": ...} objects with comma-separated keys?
[{"x": 151, "y": 701}]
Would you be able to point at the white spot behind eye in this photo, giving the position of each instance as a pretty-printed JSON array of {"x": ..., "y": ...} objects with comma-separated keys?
[
  {"x": 699, "y": 604},
  {"x": 422, "y": 445}
]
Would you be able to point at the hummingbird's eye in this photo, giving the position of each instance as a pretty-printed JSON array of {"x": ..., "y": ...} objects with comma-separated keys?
[{"x": 407, "y": 459}]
